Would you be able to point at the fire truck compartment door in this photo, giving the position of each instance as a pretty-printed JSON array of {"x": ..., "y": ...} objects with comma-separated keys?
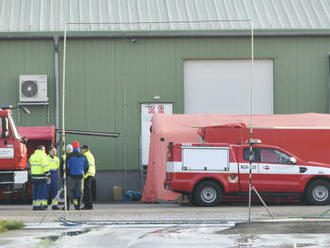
[{"x": 205, "y": 158}]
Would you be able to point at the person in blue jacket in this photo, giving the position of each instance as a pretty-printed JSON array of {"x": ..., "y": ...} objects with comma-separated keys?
[{"x": 77, "y": 166}]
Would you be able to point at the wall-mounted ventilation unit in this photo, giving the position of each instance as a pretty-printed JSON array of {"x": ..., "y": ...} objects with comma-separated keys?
[{"x": 33, "y": 88}]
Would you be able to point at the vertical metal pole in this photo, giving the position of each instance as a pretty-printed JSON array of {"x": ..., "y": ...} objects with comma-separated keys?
[
  {"x": 63, "y": 120},
  {"x": 251, "y": 117},
  {"x": 250, "y": 176},
  {"x": 57, "y": 93},
  {"x": 126, "y": 130}
]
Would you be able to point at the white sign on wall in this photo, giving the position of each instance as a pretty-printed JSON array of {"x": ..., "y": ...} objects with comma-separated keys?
[
  {"x": 147, "y": 111},
  {"x": 6, "y": 152}
]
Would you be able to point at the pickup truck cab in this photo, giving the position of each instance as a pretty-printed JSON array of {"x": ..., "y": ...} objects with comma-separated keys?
[{"x": 207, "y": 172}]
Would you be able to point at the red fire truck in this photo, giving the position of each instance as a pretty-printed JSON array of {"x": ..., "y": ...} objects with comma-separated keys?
[
  {"x": 14, "y": 150},
  {"x": 13, "y": 153},
  {"x": 208, "y": 172}
]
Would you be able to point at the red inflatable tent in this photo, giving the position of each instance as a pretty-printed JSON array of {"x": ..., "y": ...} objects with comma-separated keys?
[{"x": 38, "y": 136}]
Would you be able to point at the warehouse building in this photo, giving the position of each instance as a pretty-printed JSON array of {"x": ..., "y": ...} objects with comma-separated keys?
[{"x": 126, "y": 60}]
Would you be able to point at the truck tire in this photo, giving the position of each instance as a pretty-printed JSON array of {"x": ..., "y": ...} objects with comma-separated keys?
[
  {"x": 207, "y": 194},
  {"x": 191, "y": 198},
  {"x": 318, "y": 192}
]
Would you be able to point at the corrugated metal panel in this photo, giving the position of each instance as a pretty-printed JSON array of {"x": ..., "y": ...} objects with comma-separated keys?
[
  {"x": 20, "y": 57},
  {"x": 51, "y": 16}
]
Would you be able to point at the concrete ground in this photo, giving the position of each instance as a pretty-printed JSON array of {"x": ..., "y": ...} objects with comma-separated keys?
[
  {"x": 168, "y": 225},
  {"x": 143, "y": 211}
]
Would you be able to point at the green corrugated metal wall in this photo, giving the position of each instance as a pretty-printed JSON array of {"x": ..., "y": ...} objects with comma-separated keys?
[
  {"x": 26, "y": 57},
  {"x": 107, "y": 79}
]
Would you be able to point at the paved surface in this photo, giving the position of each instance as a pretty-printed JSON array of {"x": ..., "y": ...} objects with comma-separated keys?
[
  {"x": 139, "y": 211},
  {"x": 168, "y": 225},
  {"x": 283, "y": 227}
]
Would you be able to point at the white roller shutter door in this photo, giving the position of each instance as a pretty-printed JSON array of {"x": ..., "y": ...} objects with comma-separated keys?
[{"x": 223, "y": 86}]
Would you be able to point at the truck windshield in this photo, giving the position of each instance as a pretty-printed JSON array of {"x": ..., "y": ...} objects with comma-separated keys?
[
  {"x": 13, "y": 128},
  {"x": 4, "y": 132}
]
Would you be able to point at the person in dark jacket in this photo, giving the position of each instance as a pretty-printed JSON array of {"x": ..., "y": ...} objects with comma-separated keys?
[
  {"x": 77, "y": 166},
  {"x": 68, "y": 151}
]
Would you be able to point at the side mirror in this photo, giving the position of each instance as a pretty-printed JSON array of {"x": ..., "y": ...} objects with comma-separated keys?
[{"x": 293, "y": 160}]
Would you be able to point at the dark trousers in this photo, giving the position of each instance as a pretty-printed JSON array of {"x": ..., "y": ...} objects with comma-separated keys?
[
  {"x": 61, "y": 184},
  {"x": 38, "y": 192},
  {"x": 53, "y": 186},
  {"x": 88, "y": 192},
  {"x": 75, "y": 186}
]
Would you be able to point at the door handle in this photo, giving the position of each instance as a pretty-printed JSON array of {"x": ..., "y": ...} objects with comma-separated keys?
[{"x": 302, "y": 169}]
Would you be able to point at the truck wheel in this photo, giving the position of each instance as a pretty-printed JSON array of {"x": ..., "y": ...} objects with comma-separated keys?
[
  {"x": 207, "y": 194},
  {"x": 318, "y": 192}
]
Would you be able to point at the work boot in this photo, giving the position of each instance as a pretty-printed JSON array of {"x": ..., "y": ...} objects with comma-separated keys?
[
  {"x": 36, "y": 208},
  {"x": 77, "y": 207},
  {"x": 44, "y": 207}
]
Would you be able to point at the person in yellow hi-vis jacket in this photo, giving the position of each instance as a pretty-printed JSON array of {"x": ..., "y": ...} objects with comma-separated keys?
[
  {"x": 40, "y": 176},
  {"x": 53, "y": 164},
  {"x": 88, "y": 178}
]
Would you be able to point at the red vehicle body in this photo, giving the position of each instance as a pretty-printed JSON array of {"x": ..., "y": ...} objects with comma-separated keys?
[
  {"x": 208, "y": 172},
  {"x": 13, "y": 154}
]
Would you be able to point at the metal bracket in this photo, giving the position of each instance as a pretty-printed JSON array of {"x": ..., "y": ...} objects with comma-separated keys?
[{"x": 46, "y": 104}]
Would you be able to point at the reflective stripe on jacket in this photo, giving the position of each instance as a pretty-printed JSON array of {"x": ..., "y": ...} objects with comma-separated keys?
[
  {"x": 53, "y": 163},
  {"x": 91, "y": 163},
  {"x": 39, "y": 163}
]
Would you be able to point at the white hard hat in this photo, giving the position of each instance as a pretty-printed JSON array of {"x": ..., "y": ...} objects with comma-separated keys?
[{"x": 69, "y": 147}]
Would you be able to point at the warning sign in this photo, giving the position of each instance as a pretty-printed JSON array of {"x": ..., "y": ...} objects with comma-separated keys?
[{"x": 147, "y": 111}]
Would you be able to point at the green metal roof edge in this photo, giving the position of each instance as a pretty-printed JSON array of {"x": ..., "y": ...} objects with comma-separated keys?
[{"x": 132, "y": 32}]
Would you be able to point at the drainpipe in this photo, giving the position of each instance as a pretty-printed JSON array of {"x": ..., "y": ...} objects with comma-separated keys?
[{"x": 57, "y": 94}]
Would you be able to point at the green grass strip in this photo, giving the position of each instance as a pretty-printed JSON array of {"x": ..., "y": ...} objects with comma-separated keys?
[{"x": 6, "y": 225}]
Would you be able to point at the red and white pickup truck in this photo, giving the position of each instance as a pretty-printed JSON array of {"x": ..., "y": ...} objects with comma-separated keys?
[{"x": 206, "y": 172}]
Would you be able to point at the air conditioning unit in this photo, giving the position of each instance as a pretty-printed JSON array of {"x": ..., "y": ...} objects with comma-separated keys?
[{"x": 33, "y": 88}]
